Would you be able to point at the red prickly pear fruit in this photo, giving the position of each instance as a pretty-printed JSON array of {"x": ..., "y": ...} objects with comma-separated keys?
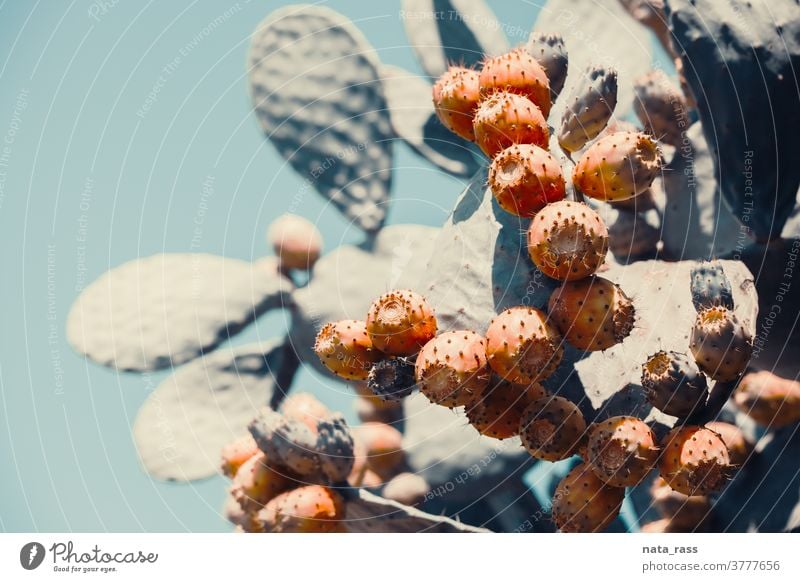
[
  {"x": 346, "y": 349},
  {"x": 684, "y": 512},
  {"x": 305, "y": 408},
  {"x": 236, "y": 453},
  {"x": 593, "y": 314},
  {"x": 383, "y": 446},
  {"x": 720, "y": 344},
  {"x": 694, "y": 460},
  {"x": 451, "y": 369},
  {"x": 400, "y": 322},
  {"x": 456, "y": 95},
  {"x": 739, "y": 448},
  {"x": 674, "y": 384},
  {"x": 296, "y": 242},
  {"x": 517, "y": 72},
  {"x": 618, "y": 166},
  {"x": 622, "y": 450},
  {"x": 504, "y": 119},
  {"x": 583, "y": 503},
  {"x": 552, "y": 428},
  {"x": 498, "y": 412},
  {"x": 255, "y": 483},
  {"x": 567, "y": 240},
  {"x": 524, "y": 178},
  {"x": 308, "y": 509},
  {"x": 521, "y": 345},
  {"x": 770, "y": 400}
]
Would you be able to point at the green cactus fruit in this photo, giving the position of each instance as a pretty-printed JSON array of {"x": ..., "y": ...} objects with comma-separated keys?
[
  {"x": 517, "y": 72},
  {"x": 622, "y": 450},
  {"x": 583, "y": 503},
  {"x": 498, "y": 412},
  {"x": 567, "y": 240},
  {"x": 618, "y": 166},
  {"x": 550, "y": 53},
  {"x": 400, "y": 322},
  {"x": 674, "y": 384},
  {"x": 768, "y": 399},
  {"x": 392, "y": 379},
  {"x": 504, "y": 119},
  {"x": 524, "y": 178},
  {"x": 451, "y": 369},
  {"x": 591, "y": 105},
  {"x": 721, "y": 345},
  {"x": 694, "y": 460},
  {"x": 456, "y": 95},
  {"x": 335, "y": 448},
  {"x": 552, "y": 428},
  {"x": 285, "y": 442},
  {"x": 345, "y": 348},
  {"x": 661, "y": 107},
  {"x": 710, "y": 286},
  {"x": 521, "y": 346}
]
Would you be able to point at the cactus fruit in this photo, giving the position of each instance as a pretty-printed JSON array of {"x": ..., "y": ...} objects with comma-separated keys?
[
  {"x": 451, "y": 369},
  {"x": 739, "y": 448},
  {"x": 296, "y": 241},
  {"x": 406, "y": 488},
  {"x": 383, "y": 447},
  {"x": 345, "y": 349},
  {"x": 504, "y": 119},
  {"x": 286, "y": 443},
  {"x": 392, "y": 379},
  {"x": 306, "y": 408},
  {"x": 235, "y": 454},
  {"x": 661, "y": 107},
  {"x": 694, "y": 460},
  {"x": 517, "y": 72},
  {"x": 335, "y": 448},
  {"x": 684, "y": 512},
  {"x": 622, "y": 450},
  {"x": 308, "y": 509},
  {"x": 524, "y": 178},
  {"x": 592, "y": 103},
  {"x": 583, "y": 503},
  {"x": 498, "y": 412},
  {"x": 567, "y": 240},
  {"x": 456, "y": 95},
  {"x": 521, "y": 345},
  {"x": 768, "y": 399},
  {"x": 400, "y": 322},
  {"x": 720, "y": 344},
  {"x": 674, "y": 384},
  {"x": 618, "y": 166},
  {"x": 593, "y": 314},
  {"x": 710, "y": 287},
  {"x": 552, "y": 428},
  {"x": 256, "y": 483},
  {"x": 550, "y": 53}
]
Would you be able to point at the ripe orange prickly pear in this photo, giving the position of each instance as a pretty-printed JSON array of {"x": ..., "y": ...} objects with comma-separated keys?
[
  {"x": 720, "y": 344},
  {"x": 392, "y": 379},
  {"x": 622, "y": 450},
  {"x": 308, "y": 509},
  {"x": 593, "y": 314},
  {"x": 618, "y": 166},
  {"x": 552, "y": 428},
  {"x": 296, "y": 241},
  {"x": 383, "y": 446},
  {"x": 255, "y": 483},
  {"x": 521, "y": 346},
  {"x": 739, "y": 448},
  {"x": 683, "y": 511},
  {"x": 583, "y": 503},
  {"x": 517, "y": 72},
  {"x": 524, "y": 178},
  {"x": 306, "y": 408},
  {"x": 451, "y": 369},
  {"x": 456, "y": 95},
  {"x": 694, "y": 460},
  {"x": 400, "y": 322},
  {"x": 674, "y": 384},
  {"x": 504, "y": 119},
  {"x": 345, "y": 349},
  {"x": 567, "y": 240},
  {"x": 236, "y": 453},
  {"x": 768, "y": 399},
  {"x": 498, "y": 412}
]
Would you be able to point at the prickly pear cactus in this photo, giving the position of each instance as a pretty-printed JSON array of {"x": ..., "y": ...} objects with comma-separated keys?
[
  {"x": 710, "y": 286},
  {"x": 339, "y": 141},
  {"x": 550, "y": 52}
]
